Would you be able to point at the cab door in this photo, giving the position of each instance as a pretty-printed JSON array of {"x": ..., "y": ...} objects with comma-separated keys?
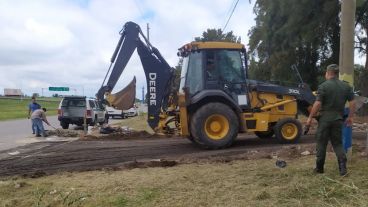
[{"x": 224, "y": 70}]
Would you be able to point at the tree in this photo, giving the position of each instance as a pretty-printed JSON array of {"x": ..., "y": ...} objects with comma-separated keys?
[
  {"x": 218, "y": 35},
  {"x": 361, "y": 74},
  {"x": 306, "y": 35},
  {"x": 360, "y": 79},
  {"x": 362, "y": 33}
]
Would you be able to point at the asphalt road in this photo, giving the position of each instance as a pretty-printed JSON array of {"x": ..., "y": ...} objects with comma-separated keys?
[{"x": 16, "y": 133}]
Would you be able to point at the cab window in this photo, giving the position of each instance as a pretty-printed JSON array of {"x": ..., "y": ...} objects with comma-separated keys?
[
  {"x": 195, "y": 74},
  {"x": 73, "y": 103},
  {"x": 229, "y": 66}
]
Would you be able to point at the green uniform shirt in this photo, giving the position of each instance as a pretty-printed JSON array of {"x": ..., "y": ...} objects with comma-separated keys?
[{"x": 333, "y": 95}]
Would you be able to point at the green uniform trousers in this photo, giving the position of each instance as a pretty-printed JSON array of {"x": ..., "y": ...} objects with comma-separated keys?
[{"x": 329, "y": 130}]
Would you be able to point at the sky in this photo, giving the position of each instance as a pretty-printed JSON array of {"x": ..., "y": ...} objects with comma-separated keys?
[{"x": 69, "y": 43}]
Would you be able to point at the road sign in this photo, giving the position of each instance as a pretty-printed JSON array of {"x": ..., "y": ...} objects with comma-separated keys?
[{"x": 58, "y": 88}]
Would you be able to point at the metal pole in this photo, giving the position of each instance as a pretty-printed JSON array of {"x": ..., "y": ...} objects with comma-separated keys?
[
  {"x": 148, "y": 28},
  {"x": 346, "y": 61},
  {"x": 85, "y": 127}
]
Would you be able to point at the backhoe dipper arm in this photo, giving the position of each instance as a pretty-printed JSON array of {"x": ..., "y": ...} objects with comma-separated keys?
[
  {"x": 157, "y": 70},
  {"x": 122, "y": 54}
]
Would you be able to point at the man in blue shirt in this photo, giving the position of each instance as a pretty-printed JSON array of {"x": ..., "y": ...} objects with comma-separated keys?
[{"x": 31, "y": 108}]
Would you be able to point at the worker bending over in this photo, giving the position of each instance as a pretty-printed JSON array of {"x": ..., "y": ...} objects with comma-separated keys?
[{"x": 37, "y": 117}]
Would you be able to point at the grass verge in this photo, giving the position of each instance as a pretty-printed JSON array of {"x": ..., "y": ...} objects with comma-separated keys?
[
  {"x": 18, "y": 108},
  {"x": 138, "y": 123},
  {"x": 237, "y": 183}
]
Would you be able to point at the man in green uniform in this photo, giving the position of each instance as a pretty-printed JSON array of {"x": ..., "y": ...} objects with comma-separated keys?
[{"x": 332, "y": 96}]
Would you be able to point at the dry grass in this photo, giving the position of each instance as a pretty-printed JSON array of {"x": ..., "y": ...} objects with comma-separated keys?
[
  {"x": 238, "y": 183},
  {"x": 138, "y": 123}
]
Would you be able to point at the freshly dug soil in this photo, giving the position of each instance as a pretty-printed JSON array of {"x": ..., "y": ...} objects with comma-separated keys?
[{"x": 44, "y": 158}]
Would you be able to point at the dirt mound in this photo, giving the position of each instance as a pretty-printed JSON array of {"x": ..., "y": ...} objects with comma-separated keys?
[
  {"x": 116, "y": 133},
  {"x": 64, "y": 133},
  {"x": 150, "y": 163},
  {"x": 107, "y": 133},
  {"x": 118, "y": 136}
]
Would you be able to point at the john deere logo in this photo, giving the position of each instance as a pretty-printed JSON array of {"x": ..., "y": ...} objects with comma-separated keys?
[{"x": 152, "y": 88}]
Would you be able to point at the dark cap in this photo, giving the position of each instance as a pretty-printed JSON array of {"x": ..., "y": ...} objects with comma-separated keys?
[{"x": 333, "y": 68}]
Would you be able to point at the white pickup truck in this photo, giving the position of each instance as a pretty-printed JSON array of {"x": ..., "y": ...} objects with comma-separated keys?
[{"x": 73, "y": 109}]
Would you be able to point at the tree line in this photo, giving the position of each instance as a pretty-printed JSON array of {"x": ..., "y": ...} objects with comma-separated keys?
[{"x": 304, "y": 33}]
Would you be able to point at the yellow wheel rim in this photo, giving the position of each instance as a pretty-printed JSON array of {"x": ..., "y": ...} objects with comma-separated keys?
[
  {"x": 216, "y": 126},
  {"x": 289, "y": 131}
]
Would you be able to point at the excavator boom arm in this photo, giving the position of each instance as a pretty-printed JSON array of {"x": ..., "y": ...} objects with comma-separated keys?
[{"x": 157, "y": 70}]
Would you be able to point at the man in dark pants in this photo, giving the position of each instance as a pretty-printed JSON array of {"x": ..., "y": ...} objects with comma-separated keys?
[
  {"x": 31, "y": 108},
  {"x": 331, "y": 98}
]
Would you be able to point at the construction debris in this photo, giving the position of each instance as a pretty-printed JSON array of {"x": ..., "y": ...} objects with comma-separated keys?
[
  {"x": 280, "y": 163},
  {"x": 63, "y": 133},
  {"x": 360, "y": 126},
  {"x": 305, "y": 153}
]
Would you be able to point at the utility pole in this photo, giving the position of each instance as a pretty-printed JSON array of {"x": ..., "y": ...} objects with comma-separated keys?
[
  {"x": 42, "y": 91},
  {"x": 148, "y": 28},
  {"x": 346, "y": 62},
  {"x": 143, "y": 95}
]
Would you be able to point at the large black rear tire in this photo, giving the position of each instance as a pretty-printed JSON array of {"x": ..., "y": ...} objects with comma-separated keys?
[
  {"x": 288, "y": 130},
  {"x": 64, "y": 125},
  {"x": 214, "y": 126}
]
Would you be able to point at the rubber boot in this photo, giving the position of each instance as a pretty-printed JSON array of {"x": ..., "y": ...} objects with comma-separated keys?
[
  {"x": 342, "y": 167},
  {"x": 319, "y": 168}
]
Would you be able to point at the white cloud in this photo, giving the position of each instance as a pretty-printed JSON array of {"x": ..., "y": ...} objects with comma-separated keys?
[{"x": 69, "y": 43}]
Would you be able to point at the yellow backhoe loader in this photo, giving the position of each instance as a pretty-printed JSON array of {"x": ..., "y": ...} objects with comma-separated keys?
[{"x": 216, "y": 100}]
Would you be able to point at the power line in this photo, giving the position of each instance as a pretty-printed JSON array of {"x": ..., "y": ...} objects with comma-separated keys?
[
  {"x": 139, "y": 8},
  {"x": 230, "y": 8},
  {"x": 232, "y": 12}
]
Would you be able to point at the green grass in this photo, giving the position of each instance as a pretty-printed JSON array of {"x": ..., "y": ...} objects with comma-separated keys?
[
  {"x": 238, "y": 183},
  {"x": 18, "y": 109}
]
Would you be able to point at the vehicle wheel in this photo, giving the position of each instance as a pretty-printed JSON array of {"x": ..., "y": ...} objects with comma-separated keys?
[
  {"x": 190, "y": 138},
  {"x": 288, "y": 130},
  {"x": 93, "y": 122},
  {"x": 265, "y": 135},
  {"x": 214, "y": 126},
  {"x": 64, "y": 125}
]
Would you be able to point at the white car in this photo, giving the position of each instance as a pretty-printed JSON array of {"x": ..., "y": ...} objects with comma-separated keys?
[
  {"x": 114, "y": 112},
  {"x": 131, "y": 112}
]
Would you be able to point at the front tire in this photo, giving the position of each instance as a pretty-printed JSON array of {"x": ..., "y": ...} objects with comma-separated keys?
[
  {"x": 214, "y": 126},
  {"x": 288, "y": 130},
  {"x": 64, "y": 125}
]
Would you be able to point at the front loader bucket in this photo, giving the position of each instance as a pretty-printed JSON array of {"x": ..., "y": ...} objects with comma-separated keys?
[{"x": 123, "y": 99}]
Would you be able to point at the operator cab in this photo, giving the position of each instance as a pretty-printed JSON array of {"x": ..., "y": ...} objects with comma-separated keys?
[{"x": 215, "y": 66}]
